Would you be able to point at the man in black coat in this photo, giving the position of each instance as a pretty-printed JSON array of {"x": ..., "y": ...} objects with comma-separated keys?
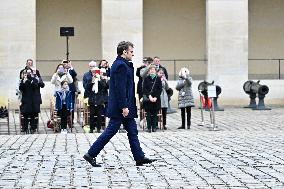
[{"x": 121, "y": 107}]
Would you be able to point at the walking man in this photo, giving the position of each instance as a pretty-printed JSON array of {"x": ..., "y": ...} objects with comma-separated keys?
[{"x": 121, "y": 107}]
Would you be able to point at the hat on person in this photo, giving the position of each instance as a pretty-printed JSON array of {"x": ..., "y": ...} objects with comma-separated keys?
[{"x": 92, "y": 64}]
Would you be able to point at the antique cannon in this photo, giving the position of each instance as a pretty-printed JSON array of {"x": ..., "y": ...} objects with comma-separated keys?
[
  {"x": 203, "y": 88},
  {"x": 254, "y": 89}
]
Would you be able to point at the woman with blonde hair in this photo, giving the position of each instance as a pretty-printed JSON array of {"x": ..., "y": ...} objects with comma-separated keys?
[{"x": 185, "y": 96}]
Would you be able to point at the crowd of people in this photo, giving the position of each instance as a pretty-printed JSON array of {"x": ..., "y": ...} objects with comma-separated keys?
[{"x": 152, "y": 89}]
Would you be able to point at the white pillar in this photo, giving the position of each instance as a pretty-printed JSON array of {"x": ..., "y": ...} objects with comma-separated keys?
[
  {"x": 227, "y": 46},
  {"x": 122, "y": 21},
  {"x": 17, "y": 43}
]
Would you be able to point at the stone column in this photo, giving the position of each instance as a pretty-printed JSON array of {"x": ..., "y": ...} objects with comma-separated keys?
[
  {"x": 122, "y": 21},
  {"x": 227, "y": 46},
  {"x": 17, "y": 43}
]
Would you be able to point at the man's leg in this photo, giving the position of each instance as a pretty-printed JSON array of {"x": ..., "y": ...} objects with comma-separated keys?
[
  {"x": 132, "y": 133},
  {"x": 104, "y": 138}
]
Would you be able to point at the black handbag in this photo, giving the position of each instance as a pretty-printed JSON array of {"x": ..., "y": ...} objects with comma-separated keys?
[{"x": 145, "y": 99}]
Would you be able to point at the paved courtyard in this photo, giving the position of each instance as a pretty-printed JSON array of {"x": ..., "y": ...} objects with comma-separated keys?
[{"x": 247, "y": 151}]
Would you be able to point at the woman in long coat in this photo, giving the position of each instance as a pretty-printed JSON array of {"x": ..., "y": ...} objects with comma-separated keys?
[
  {"x": 164, "y": 96},
  {"x": 31, "y": 99},
  {"x": 152, "y": 88},
  {"x": 185, "y": 96}
]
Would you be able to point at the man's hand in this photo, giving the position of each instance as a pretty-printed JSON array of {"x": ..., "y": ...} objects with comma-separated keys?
[{"x": 125, "y": 112}]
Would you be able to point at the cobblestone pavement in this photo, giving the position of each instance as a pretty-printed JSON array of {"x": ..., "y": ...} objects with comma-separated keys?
[{"x": 247, "y": 151}]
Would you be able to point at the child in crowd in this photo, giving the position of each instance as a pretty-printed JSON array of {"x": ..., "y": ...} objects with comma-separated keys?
[
  {"x": 152, "y": 88},
  {"x": 164, "y": 96},
  {"x": 63, "y": 105},
  {"x": 185, "y": 97}
]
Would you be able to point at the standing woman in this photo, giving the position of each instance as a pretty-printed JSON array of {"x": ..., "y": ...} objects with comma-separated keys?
[
  {"x": 152, "y": 88},
  {"x": 185, "y": 96},
  {"x": 60, "y": 75},
  {"x": 30, "y": 103},
  {"x": 164, "y": 96}
]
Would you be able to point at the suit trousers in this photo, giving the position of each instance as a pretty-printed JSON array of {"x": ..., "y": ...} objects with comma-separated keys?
[{"x": 112, "y": 128}]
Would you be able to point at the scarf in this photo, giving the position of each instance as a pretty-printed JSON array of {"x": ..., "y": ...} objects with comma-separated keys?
[
  {"x": 95, "y": 87},
  {"x": 152, "y": 75}
]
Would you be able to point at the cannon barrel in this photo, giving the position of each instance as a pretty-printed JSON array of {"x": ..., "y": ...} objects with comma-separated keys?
[
  {"x": 203, "y": 87},
  {"x": 254, "y": 87},
  {"x": 260, "y": 89}
]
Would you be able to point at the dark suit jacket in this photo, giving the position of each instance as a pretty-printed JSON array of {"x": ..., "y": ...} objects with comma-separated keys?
[{"x": 121, "y": 89}]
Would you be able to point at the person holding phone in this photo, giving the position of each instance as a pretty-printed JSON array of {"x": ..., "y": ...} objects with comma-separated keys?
[
  {"x": 30, "y": 103},
  {"x": 60, "y": 75},
  {"x": 96, "y": 87}
]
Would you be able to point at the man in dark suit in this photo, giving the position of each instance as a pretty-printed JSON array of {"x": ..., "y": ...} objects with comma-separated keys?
[{"x": 121, "y": 107}]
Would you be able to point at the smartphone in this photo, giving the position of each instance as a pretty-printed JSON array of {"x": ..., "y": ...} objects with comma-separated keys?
[{"x": 98, "y": 72}]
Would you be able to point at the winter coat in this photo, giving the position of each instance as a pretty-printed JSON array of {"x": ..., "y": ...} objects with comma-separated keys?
[
  {"x": 185, "y": 96},
  {"x": 164, "y": 95},
  {"x": 139, "y": 84},
  {"x": 121, "y": 89},
  {"x": 156, "y": 92},
  {"x": 71, "y": 85},
  {"x": 59, "y": 100},
  {"x": 56, "y": 80},
  {"x": 99, "y": 97},
  {"x": 37, "y": 90},
  {"x": 87, "y": 76},
  {"x": 31, "y": 99}
]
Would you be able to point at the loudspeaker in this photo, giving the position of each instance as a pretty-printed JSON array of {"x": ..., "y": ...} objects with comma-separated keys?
[{"x": 66, "y": 31}]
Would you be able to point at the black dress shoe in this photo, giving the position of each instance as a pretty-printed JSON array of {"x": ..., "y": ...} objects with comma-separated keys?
[
  {"x": 149, "y": 130},
  {"x": 164, "y": 127},
  {"x": 181, "y": 127},
  {"x": 91, "y": 160},
  {"x": 144, "y": 161}
]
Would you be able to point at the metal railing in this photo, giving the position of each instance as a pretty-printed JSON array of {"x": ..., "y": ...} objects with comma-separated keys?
[
  {"x": 257, "y": 68},
  {"x": 197, "y": 67},
  {"x": 265, "y": 68}
]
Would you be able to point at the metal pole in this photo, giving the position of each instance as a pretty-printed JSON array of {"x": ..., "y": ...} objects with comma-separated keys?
[
  {"x": 213, "y": 114},
  {"x": 174, "y": 69},
  {"x": 201, "y": 109},
  {"x": 8, "y": 109},
  {"x": 67, "y": 48},
  {"x": 279, "y": 69}
]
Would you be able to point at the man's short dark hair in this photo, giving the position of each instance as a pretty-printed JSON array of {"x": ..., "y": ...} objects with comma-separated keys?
[
  {"x": 157, "y": 57},
  {"x": 123, "y": 45},
  {"x": 29, "y": 60}
]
